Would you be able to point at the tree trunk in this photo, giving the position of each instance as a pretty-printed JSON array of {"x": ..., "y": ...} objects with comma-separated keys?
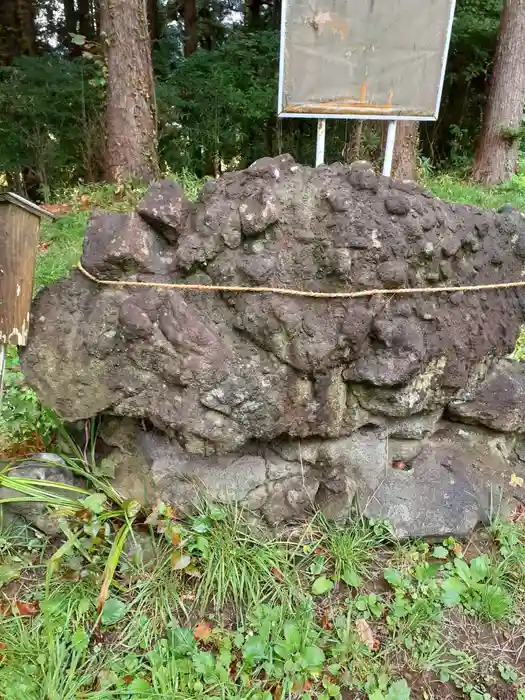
[
  {"x": 85, "y": 19},
  {"x": 17, "y": 30},
  {"x": 404, "y": 163},
  {"x": 70, "y": 18},
  {"x": 354, "y": 136},
  {"x": 130, "y": 120},
  {"x": 254, "y": 13},
  {"x": 96, "y": 18},
  {"x": 190, "y": 27},
  {"x": 154, "y": 24},
  {"x": 497, "y": 153},
  {"x": 275, "y": 14}
]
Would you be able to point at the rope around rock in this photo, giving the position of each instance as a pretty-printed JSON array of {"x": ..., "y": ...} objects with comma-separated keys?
[{"x": 207, "y": 288}]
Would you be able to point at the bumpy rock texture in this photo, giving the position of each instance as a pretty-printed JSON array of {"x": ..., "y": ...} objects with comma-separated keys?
[{"x": 286, "y": 403}]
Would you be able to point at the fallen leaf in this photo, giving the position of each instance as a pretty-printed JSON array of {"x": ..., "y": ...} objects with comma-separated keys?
[
  {"x": 3, "y": 657},
  {"x": 517, "y": 513},
  {"x": 43, "y": 247},
  {"x": 179, "y": 561},
  {"x": 70, "y": 575},
  {"x": 127, "y": 680},
  {"x": 302, "y": 687},
  {"x": 175, "y": 539},
  {"x": 457, "y": 549},
  {"x": 277, "y": 692},
  {"x": 202, "y": 630},
  {"x": 277, "y": 574},
  {"x": 27, "y": 609},
  {"x": 400, "y": 465},
  {"x": 325, "y": 622},
  {"x": 365, "y": 634},
  {"x": 516, "y": 481},
  {"x": 57, "y": 209}
]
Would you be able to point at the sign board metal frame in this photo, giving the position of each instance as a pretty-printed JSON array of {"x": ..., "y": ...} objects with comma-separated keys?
[{"x": 378, "y": 114}]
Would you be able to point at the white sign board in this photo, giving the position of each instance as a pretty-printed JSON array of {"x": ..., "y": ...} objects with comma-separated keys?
[{"x": 375, "y": 59}]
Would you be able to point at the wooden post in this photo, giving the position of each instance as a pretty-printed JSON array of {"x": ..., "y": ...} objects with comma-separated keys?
[{"x": 19, "y": 235}]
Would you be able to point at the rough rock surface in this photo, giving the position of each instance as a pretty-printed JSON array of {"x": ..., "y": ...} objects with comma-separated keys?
[{"x": 285, "y": 403}]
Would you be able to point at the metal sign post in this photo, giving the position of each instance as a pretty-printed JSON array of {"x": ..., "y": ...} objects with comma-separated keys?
[
  {"x": 321, "y": 138},
  {"x": 3, "y": 358},
  {"x": 363, "y": 59},
  {"x": 389, "y": 149}
]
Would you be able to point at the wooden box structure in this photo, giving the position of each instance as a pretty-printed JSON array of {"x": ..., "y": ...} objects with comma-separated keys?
[{"x": 19, "y": 236}]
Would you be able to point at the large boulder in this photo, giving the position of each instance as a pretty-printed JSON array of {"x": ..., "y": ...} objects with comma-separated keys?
[{"x": 286, "y": 402}]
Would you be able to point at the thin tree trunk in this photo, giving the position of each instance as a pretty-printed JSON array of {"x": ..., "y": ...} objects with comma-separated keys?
[
  {"x": 254, "y": 13},
  {"x": 352, "y": 149},
  {"x": 190, "y": 27},
  {"x": 154, "y": 23},
  {"x": 404, "y": 163},
  {"x": 70, "y": 17},
  {"x": 130, "y": 120},
  {"x": 85, "y": 19},
  {"x": 17, "y": 30},
  {"x": 26, "y": 18},
  {"x": 95, "y": 14},
  {"x": 276, "y": 14},
  {"x": 497, "y": 153}
]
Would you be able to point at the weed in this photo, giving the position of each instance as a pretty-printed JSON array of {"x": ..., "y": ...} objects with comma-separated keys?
[
  {"x": 238, "y": 565},
  {"x": 448, "y": 664},
  {"x": 478, "y": 587},
  {"x": 343, "y": 553},
  {"x": 382, "y": 688},
  {"x": 24, "y": 422},
  {"x": 416, "y": 605}
]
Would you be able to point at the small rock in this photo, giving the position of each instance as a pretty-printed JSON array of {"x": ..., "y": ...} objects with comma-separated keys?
[
  {"x": 397, "y": 205},
  {"x": 41, "y": 467}
]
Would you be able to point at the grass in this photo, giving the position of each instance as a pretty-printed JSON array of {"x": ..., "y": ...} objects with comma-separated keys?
[
  {"x": 229, "y": 626},
  {"x": 454, "y": 189}
]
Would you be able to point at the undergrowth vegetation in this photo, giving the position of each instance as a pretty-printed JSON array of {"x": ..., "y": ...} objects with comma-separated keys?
[{"x": 209, "y": 605}]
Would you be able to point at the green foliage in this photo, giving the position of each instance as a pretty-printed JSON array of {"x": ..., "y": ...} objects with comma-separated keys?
[
  {"x": 50, "y": 120},
  {"x": 217, "y": 106},
  {"x": 233, "y": 561},
  {"x": 452, "y": 139},
  {"x": 346, "y": 551},
  {"x": 113, "y": 611},
  {"x": 319, "y": 649},
  {"x": 452, "y": 188},
  {"x": 22, "y": 418},
  {"x": 477, "y": 586},
  {"x": 61, "y": 248}
]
